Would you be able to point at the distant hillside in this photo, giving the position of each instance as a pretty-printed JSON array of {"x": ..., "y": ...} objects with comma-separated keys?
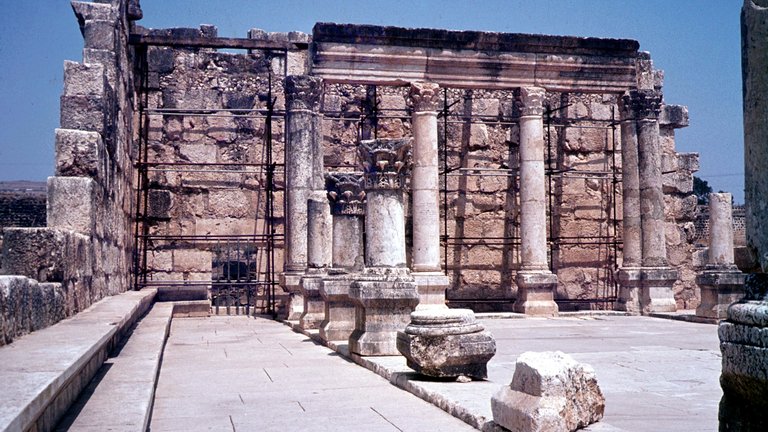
[{"x": 23, "y": 186}]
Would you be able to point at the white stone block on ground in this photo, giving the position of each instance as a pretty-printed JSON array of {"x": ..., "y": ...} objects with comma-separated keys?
[{"x": 550, "y": 391}]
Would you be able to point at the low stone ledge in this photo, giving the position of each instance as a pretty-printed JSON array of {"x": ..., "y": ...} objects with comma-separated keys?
[{"x": 44, "y": 372}]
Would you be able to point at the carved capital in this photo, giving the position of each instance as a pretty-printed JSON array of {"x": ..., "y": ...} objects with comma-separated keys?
[
  {"x": 424, "y": 96},
  {"x": 303, "y": 92},
  {"x": 386, "y": 162},
  {"x": 532, "y": 101},
  {"x": 640, "y": 104},
  {"x": 346, "y": 193}
]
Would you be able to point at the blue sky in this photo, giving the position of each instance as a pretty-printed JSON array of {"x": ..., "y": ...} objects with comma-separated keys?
[{"x": 696, "y": 43}]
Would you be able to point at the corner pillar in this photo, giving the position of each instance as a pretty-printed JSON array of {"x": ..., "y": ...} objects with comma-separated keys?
[
  {"x": 536, "y": 283},
  {"x": 629, "y": 274},
  {"x": 303, "y": 174},
  {"x": 657, "y": 277},
  {"x": 425, "y": 255}
]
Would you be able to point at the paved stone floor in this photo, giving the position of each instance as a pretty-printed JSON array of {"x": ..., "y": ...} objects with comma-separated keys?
[
  {"x": 245, "y": 374},
  {"x": 656, "y": 374},
  {"x": 236, "y": 373}
]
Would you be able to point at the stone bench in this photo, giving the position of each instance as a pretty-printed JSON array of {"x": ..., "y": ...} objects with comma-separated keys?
[
  {"x": 120, "y": 398},
  {"x": 44, "y": 372}
]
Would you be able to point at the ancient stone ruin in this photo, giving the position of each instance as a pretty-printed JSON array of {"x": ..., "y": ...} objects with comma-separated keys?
[
  {"x": 542, "y": 173},
  {"x": 381, "y": 185}
]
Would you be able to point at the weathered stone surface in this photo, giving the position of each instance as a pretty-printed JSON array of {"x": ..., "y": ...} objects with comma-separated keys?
[
  {"x": 77, "y": 153},
  {"x": 160, "y": 203},
  {"x": 339, "y": 317},
  {"x": 314, "y": 307},
  {"x": 383, "y": 306},
  {"x": 550, "y": 391},
  {"x": 446, "y": 343},
  {"x": 71, "y": 204}
]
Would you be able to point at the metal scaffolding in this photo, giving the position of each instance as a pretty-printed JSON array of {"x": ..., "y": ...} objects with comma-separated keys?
[{"x": 243, "y": 273}]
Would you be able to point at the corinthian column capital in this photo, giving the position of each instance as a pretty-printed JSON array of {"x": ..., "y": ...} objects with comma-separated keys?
[
  {"x": 424, "y": 96},
  {"x": 303, "y": 92},
  {"x": 532, "y": 101},
  {"x": 386, "y": 162},
  {"x": 640, "y": 104},
  {"x": 345, "y": 191}
]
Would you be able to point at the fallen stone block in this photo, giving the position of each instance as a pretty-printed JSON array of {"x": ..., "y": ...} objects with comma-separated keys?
[
  {"x": 446, "y": 343},
  {"x": 550, "y": 391}
]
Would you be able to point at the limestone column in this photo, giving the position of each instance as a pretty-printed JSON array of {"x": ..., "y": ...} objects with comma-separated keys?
[
  {"x": 385, "y": 294},
  {"x": 303, "y": 174},
  {"x": 721, "y": 283},
  {"x": 657, "y": 278},
  {"x": 425, "y": 208},
  {"x": 345, "y": 191},
  {"x": 535, "y": 282},
  {"x": 629, "y": 273},
  {"x": 318, "y": 259}
]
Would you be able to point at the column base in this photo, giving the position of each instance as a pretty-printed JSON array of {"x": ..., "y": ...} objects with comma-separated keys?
[
  {"x": 431, "y": 287},
  {"x": 656, "y": 294},
  {"x": 630, "y": 283},
  {"x": 536, "y": 293},
  {"x": 446, "y": 344},
  {"x": 314, "y": 307},
  {"x": 719, "y": 289},
  {"x": 291, "y": 283},
  {"x": 383, "y": 307},
  {"x": 339, "y": 322}
]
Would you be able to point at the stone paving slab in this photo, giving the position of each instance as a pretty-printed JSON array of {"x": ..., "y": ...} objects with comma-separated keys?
[
  {"x": 244, "y": 374},
  {"x": 44, "y": 371},
  {"x": 656, "y": 374},
  {"x": 120, "y": 396}
]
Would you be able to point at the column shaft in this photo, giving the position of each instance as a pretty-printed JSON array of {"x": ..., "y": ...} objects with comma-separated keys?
[
  {"x": 425, "y": 255},
  {"x": 533, "y": 196},
  {"x": 720, "y": 230},
  {"x": 632, "y": 251}
]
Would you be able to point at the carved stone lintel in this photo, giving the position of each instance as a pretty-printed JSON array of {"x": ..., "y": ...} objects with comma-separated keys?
[
  {"x": 386, "y": 162},
  {"x": 532, "y": 101},
  {"x": 346, "y": 193},
  {"x": 640, "y": 104},
  {"x": 424, "y": 96},
  {"x": 303, "y": 92}
]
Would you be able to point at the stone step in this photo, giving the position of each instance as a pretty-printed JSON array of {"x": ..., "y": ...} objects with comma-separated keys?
[
  {"x": 181, "y": 293},
  {"x": 192, "y": 308},
  {"x": 44, "y": 372},
  {"x": 121, "y": 395}
]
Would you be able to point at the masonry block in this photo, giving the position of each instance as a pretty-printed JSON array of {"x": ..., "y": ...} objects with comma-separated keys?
[
  {"x": 77, "y": 153},
  {"x": 71, "y": 204},
  {"x": 99, "y": 34},
  {"x": 15, "y": 299},
  {"x": 83, "y": 79},
  {"x": 84, "y": 113}
]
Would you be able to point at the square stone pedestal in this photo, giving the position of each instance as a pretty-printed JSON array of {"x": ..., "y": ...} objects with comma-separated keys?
[
  {"x": 383, "y": 307},
  {"x": 314, "y": 307},
  {"x": 339, "y": 322},
  {"x": 630, "y": 285},
  {"x": 656, "y": 294},
  {"x": 291, "y": 283},
  {"x": 431, "y": 287},
  {"x": 536, "y": 293},
  {"x": 719, "y": 288}
]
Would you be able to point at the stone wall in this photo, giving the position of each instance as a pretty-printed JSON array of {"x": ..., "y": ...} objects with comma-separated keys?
[
  {"x": 207, "y": 154},
  {"x": 88, "y": 242}
]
